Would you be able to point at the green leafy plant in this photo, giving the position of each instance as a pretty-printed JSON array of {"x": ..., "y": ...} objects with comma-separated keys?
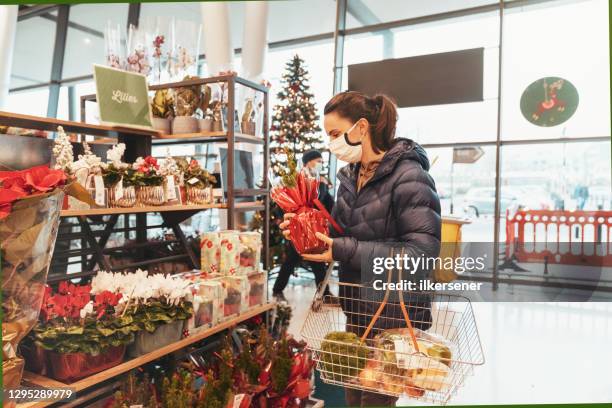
[
  {"x": 162, "y": 104},
  {"x": 194, "y": 175}
]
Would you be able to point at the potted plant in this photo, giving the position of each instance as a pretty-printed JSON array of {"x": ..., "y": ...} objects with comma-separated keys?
[
  {"x": 30, "y": 204},
  {"x": 80, "y": 333},
  {"x": 148, "y": 181},
  {"x": 162, "y": 110},
  {"x": 186, "y": 101},
  {"x": 198, "y": 182},
  {"x": 117, "y": 177},
  {"x": 159, "y": 306}
]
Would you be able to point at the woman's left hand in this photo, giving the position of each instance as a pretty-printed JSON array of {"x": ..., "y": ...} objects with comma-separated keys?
[{"x": 325, "y": 256}]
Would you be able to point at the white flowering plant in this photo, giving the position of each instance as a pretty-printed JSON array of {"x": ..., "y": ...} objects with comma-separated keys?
[
  {"x": 151, "y": 299},
  {"x": 115, "y": 170},
  {"x": 63, "y": 151}
]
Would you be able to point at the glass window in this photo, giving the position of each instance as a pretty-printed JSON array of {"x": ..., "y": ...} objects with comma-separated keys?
[
  {"x": 32, "y": 102},
  {"x": 537, "y": 44},
  {"x": 34, "y": 42},
  {"x": 85, "y": 41},
  {"x": 368, "y": 12}
]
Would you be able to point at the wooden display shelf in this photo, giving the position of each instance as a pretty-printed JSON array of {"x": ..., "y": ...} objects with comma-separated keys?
[
  {"x": 136, "y": 210},
  {"x": 90, "y": 381},
  {"x": 50, "y": 124},
  {"x": 204, "y": 137}
]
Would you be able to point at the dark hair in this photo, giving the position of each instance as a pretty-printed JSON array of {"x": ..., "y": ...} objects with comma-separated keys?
[{"x": 380, "y": 112}]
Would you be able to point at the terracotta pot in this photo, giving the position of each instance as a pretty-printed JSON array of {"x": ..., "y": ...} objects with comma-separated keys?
[
  {"x": 205, "y": 125},
  {"x": 162, "y": 124},
  {"x": 184, "y": 124},
  {"x": 146, "y": 342},
  {"x": 70, "y": 367}
]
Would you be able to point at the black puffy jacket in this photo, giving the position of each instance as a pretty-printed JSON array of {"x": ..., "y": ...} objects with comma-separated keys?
[{"x": 399, "y": 205}]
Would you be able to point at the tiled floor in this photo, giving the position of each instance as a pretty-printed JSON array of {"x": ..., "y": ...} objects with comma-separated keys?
[{"x": 534, "y": 352}]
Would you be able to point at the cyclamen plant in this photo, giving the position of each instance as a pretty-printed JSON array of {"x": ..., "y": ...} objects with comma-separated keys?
[{"x": 147, "y": 172}]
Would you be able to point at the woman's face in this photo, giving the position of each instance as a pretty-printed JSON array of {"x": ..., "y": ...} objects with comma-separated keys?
[{"x": 335, "y": 126}]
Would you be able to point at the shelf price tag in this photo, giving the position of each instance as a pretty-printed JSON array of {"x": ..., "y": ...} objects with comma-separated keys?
[
  {"x": 99, "y": 190},
  {"x": 170, "y": 188}
]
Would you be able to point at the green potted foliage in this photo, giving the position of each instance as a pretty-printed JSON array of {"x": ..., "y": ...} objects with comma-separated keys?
[
  {"x": 198, "y": 182},
  {"x": 79, "y": 333}
]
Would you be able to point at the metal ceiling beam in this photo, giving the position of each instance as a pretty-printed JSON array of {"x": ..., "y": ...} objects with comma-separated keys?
[
  {"x": 26, "y": 12},
  {"x": 362, "y": 13}
]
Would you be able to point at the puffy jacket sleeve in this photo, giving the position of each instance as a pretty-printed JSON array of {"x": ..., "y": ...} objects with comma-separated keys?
[{"x": 416, "y": 211}]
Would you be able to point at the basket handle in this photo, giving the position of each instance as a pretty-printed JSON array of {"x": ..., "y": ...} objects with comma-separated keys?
[{"x": 384, "y": 303}]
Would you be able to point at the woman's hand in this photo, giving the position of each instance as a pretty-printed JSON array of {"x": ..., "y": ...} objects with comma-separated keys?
[
  {"x": 325, "y": 256},
  {"x": 285, "y": 224}
]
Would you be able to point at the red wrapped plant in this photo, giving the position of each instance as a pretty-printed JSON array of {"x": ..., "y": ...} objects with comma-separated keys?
[{"x": 296, "y": 192}]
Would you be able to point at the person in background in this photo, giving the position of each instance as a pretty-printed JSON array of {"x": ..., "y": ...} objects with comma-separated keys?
[{"x": 312, "y": 162}]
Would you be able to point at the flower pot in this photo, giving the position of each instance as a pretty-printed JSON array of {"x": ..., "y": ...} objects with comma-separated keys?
[
  {"x": 248, "y": 128},
  {"x": 199, "y": 195},
  {"x": 27, "y": 239},
  {"x": 146, "y": 342},
  {"x": 127, "y": 200},
  {"x": 205, "y": 125},
  {"x": 184, "y": 124},
  {"x": 150, "y": 195},
  {"x": 217, "y": 126},
  {"x": 162, "y": 124},
  {"x": 12, "y": 371},
  {"x": 70, "y": 367}
]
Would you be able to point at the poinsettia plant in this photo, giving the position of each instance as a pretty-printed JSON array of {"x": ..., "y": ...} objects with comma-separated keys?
[
  {"x": 74, "y": 320},
  {"x": 147, "y": 172}
]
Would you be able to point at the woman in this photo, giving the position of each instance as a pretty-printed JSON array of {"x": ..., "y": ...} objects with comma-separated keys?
[{"x": 385, "y": 198}]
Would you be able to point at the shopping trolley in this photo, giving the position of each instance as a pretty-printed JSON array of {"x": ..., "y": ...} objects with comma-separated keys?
[{"x": 373, "y": 355}]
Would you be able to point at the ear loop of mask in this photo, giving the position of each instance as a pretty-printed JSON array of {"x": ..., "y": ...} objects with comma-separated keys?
[{"x": 346, "y": 138}]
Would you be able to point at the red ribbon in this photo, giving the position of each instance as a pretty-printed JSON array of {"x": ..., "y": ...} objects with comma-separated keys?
[{"x": 327, "y": 215}]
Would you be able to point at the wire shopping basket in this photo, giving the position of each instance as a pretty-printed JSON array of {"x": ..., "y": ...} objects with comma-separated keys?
[{"x": 423, "y": 346}]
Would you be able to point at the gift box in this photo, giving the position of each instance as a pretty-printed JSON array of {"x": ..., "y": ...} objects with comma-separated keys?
[
  {"x": 258, "y": 288},
  {"x": 207, "y": 297},
  {"x": 236, "y": 294},
  {"x": 250, "y": 252},
  {"x": 210, "y": 252},
  {"x": 229, "y": 252}
]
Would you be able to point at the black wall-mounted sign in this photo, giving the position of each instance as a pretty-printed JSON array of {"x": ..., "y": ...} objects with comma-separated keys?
[{"x": 434, "y": 79}]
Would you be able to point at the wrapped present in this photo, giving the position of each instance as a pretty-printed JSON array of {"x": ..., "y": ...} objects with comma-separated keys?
[
  {"x": 297, "y": 192},
  {"x": 207, "y": 302},
  {"x": 210, "y": 251},
  {"x": 258, "y": 282},
  {"x": 250, "y": 252},
  {"x": 229, "y": 252},
  {"x": 236, "y": 294}
]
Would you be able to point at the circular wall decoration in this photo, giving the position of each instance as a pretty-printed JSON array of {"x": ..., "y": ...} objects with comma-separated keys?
[{"x": 549, "y": 101}]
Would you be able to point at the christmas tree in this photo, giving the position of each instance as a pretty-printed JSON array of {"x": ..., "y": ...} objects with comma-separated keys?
[
  {"x": 294, "y": 119},
  {"x": 295, "y": 127}
]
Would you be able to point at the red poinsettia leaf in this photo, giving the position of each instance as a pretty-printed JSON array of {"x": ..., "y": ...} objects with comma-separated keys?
[{"x": 9, "y": 196}]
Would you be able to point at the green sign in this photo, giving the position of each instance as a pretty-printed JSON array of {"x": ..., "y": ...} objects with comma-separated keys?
[
  {"x": 549, "y": 101},
  {"x": 122, "y": 98}
]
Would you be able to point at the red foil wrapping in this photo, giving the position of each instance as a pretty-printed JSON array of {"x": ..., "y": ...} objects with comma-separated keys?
[
  {"x": 70, "y": 367},
  {"x": 300, "y": 199},
  {"x": 302, "y": 229}
]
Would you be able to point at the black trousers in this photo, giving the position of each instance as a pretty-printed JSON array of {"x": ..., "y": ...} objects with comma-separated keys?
[{"x": 292, "y": 261}]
